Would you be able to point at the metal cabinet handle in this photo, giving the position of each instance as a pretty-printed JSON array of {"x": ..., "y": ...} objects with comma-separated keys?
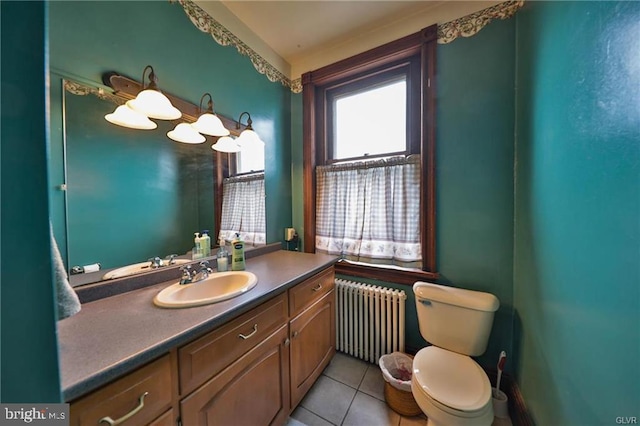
[
  {"x": 317, "y": 288},
  {"x": 287, "y": 342},
  {"x": 111, "y": 422},
  {"x": 255, "y": 330},
  {"x": 295, "y": 334}
]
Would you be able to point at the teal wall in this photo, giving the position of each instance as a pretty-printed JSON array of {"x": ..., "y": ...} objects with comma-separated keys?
[
  {"x": 474, "y": 171},
  {"x": 86, "y": 42},
  {"x": 28, "y": 354},
  {"x": 577, "y": 238}
]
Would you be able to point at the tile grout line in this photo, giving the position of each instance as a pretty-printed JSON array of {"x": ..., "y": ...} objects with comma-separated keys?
[{"x": 349, "y": 408}]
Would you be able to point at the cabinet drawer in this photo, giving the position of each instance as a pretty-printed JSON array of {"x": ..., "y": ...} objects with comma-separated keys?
[
  {"x": 126, "y": 397},
  {"x": 208, "y": 355},
  {"x": 307, "y": 292}
]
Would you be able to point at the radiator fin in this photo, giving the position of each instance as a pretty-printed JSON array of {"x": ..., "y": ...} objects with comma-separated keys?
[{"x": 370, "y": 320}]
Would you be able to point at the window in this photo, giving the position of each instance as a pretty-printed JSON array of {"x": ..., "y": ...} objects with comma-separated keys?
[
  {"x": 369, "y": 130},
  {"x": 249, "y": 159},
  {"x": 370, "y": 122}
]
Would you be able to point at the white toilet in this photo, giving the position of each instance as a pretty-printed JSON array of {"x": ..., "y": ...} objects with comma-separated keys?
[{"x": 449, "y": 386}]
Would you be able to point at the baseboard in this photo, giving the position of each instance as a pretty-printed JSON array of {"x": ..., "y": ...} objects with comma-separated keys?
[{"x": 517, "y": 408}]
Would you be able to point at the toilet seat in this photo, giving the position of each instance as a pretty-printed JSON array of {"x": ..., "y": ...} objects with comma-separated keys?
[{"x": 454, "y": 382}]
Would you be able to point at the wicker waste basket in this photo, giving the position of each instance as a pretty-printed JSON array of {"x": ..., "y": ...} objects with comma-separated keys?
[{"x": 396, "y": 370}]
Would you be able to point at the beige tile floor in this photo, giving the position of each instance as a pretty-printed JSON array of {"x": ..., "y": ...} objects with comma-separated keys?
[{"x": 350, "y": 392}]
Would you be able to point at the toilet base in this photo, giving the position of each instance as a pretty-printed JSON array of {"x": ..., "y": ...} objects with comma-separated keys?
[{"x": 436, "y": 416}]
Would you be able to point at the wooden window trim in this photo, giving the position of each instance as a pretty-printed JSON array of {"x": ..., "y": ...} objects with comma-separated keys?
[{"x": 422, "y": 43}]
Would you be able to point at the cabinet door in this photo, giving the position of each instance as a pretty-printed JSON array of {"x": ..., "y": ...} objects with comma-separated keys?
[
  {"x": 253, "y": 391},
  {"x": 313, "y": 340}
]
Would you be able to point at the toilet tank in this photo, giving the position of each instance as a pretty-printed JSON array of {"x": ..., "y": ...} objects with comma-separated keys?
[{"x": 455, "y": 319}]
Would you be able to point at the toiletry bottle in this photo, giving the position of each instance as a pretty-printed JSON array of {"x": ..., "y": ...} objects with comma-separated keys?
[
  {"x": 205, "y": 240},
  {"x": 197, "y": 249},
  {"x": 237, "y": 254},
  {"x": 222, "y": 258}
]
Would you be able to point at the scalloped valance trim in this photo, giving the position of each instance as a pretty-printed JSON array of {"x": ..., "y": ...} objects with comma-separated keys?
[
  {"x": 469, "y": 25},
  {"x": 466, "y": 26}
]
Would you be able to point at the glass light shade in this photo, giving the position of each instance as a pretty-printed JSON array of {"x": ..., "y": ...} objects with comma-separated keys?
[
  {"x": 154, "y": 104},
  {"x": 249, "y": 138},
  {"x": 210, "y": 124},
  {"x": 226, "y": 144},
  {"x": 186, "y": 134},
  {"x": 126, "y": 117}
]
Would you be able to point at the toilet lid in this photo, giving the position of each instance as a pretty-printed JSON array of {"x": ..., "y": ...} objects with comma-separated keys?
[{"x": 452, "y": 379}]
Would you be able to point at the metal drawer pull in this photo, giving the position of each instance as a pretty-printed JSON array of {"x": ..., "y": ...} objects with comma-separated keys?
[
  {"x": 111, "y": 422},
  {"x": 317, "y": 288},
  {"x": 255, "y": 330}
]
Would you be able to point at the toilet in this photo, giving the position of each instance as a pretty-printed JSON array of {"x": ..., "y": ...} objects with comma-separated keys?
[{"x": 449, "y": 386}]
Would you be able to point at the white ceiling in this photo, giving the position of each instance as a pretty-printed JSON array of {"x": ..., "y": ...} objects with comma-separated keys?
[{"x": 307, "y": 34}]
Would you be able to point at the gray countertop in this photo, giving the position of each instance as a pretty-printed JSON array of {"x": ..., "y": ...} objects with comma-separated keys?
[{"x": 113, "y": 336}]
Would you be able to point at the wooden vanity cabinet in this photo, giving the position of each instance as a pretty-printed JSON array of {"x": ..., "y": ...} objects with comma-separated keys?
[{"x": 253, "y": 370}]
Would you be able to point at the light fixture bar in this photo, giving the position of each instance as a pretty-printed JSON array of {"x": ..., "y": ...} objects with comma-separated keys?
[{"x": 127, "y": 89}]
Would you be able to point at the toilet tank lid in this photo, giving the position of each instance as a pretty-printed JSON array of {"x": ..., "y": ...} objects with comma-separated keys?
[{"x": 471, "y": 299}]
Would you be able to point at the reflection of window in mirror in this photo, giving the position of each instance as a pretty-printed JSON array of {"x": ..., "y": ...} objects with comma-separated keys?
[
  {"x": 243, "y": 197},
  {"x": 250, "y": 159}
]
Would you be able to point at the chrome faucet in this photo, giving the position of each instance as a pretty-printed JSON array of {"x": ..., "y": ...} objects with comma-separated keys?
[
  {"x": 187, "y": 274},
  {"x": 204, "y": 272},
  {"x": 170, "y": 259},
  {"x": 156, "y": 262},
  {"x": 191, "y": 277}
]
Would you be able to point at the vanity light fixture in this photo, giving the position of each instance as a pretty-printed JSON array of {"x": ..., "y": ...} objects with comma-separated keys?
[
  {"x": 126, "y": 117},
  {"x": 151, "y": 102},
  {"x": 226, "y": 144},
  {"x": 186, "y": 134},
  {"x": 208, "y": 122},
  {"x": 248, "y": 137}
]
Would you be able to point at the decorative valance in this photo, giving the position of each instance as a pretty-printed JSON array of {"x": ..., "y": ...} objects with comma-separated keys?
[{"x": 447, "y": 32}]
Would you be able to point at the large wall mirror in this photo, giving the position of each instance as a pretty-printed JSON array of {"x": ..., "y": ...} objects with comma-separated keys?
[{"x": 132, "y": 194}]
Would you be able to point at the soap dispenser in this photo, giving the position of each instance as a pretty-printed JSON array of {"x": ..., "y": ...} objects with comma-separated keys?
[
  {"x": 237, "y": 254},
  {"x": 197, "y": 249},
  {"x": 222, "y": 258}
]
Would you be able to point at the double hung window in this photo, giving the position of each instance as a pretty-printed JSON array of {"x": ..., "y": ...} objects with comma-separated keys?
[{"x": 369, "y": 145}]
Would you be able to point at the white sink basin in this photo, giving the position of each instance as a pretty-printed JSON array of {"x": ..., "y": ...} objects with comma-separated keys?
[
  {"x": 218, "y": 287},
  {"x": 137, "y": 268}
]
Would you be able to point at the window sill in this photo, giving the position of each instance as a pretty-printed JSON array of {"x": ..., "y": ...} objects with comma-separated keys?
[{"x": 392, "y": 275}]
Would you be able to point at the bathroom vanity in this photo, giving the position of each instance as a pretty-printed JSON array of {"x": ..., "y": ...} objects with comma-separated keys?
[{"x": 246, "y": 361}]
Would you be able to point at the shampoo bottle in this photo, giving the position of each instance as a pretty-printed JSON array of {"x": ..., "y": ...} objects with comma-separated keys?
[
  {"x": 237, "y": 254},
  {"x": 205, "y": 240},
  {"x": 222, "y": 258}
]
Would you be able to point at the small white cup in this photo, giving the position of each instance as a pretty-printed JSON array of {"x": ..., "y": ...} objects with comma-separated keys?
[{"x": 500, "y": 403}]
